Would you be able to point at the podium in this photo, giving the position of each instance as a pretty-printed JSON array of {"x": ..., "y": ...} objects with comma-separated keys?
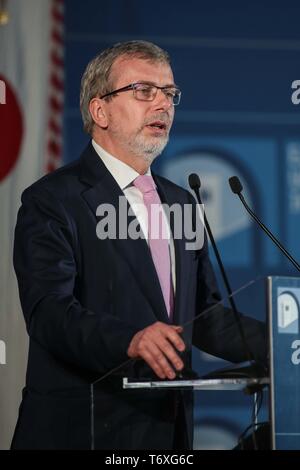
[
  {"x": 283, "y": 306},
  {"x": 282, "y": 378},
  {"x": 233, "y": 384}
]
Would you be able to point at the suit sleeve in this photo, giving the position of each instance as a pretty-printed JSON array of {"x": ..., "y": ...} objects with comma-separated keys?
[{"x": 45, "y": 250}]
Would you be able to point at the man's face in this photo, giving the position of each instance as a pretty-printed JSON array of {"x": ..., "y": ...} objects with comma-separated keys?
[{"x": 139, "y": 128}]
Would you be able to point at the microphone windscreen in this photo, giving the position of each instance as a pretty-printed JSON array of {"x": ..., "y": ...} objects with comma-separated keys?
[
  {"x": 235, "y": 184},
  {"x": 194, "y": 181}
]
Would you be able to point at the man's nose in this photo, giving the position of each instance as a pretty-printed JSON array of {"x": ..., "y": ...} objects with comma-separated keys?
[{"x": 162, "y": 101}]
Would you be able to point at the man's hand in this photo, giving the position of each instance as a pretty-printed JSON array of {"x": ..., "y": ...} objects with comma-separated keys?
[{"x": 157, "y": 345}]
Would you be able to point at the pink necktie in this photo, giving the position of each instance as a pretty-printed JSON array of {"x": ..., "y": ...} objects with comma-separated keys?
[{"x": 158, "y": 243}]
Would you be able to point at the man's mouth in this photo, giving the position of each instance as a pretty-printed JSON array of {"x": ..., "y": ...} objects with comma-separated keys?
[{"x": 158, "y": 125}]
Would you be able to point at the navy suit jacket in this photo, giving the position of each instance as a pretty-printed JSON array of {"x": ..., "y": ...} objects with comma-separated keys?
[{"x": 83, "y": 300}]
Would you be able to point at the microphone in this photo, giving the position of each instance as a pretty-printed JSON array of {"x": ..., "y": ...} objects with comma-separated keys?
[
  {"x": 253, "y": 368},
  {"x": 237, "y": 188}
]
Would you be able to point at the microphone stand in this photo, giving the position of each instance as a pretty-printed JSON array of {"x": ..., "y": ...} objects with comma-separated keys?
[
  {"x": 194, "y": 183},
  {"x": 237, "y": 188}
]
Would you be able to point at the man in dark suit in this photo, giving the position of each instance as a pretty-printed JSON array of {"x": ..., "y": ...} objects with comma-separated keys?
[{"x": 93, "y": 302}]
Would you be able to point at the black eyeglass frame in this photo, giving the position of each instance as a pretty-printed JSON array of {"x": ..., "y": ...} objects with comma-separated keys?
[{"x": 131, "y": 86}]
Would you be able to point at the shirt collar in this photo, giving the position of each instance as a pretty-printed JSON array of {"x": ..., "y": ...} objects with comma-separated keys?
[{"x": 122, "y": 173}]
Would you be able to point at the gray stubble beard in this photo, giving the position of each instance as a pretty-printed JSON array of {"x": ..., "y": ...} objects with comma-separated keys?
[
  {"x": 140, "y": 148},
  {"x": 149, "y": 151}
]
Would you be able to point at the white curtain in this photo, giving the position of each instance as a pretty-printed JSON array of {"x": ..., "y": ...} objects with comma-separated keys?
[{"x": 25, "y": 114}]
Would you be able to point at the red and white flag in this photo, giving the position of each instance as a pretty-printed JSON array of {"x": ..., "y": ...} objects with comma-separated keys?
[{"x": 31, "y": 106}]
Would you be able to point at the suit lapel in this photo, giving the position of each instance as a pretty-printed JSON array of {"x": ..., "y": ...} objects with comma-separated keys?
[{"x": 104, "y": 189}]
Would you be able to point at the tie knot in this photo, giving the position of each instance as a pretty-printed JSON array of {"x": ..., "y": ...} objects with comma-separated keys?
[{"x": 144, "y": 183}]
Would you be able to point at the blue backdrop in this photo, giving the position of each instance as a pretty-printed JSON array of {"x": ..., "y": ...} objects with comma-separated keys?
[{"x": 235, "y": 63}]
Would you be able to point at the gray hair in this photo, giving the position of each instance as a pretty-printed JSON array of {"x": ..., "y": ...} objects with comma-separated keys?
[{"x": 96, "y": 80}]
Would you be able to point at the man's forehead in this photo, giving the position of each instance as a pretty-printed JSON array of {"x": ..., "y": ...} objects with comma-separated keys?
[{"x": 131, "y": 69}]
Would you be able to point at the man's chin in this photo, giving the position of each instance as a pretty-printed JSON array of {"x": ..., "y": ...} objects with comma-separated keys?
[
  {"x": 156, "y": 146},
  {"x": 149, "y": 149},
  {"x": 150, "y": 157},
  {"x": 154, "y": 152}
]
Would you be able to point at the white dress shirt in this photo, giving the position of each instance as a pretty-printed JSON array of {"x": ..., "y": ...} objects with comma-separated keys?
[{"x": 124, "y": 176}]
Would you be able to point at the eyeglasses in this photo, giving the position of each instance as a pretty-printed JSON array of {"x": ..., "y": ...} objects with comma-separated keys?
[{"x": 148, "y": 92}]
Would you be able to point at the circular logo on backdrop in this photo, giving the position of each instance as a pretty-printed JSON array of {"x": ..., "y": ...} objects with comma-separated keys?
[
  {"x": 11, "y": 128},
  {"x": 223, "y": 209}
]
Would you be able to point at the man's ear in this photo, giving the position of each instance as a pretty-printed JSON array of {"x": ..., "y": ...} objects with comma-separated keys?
[{"x": 98, "y": 113}]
